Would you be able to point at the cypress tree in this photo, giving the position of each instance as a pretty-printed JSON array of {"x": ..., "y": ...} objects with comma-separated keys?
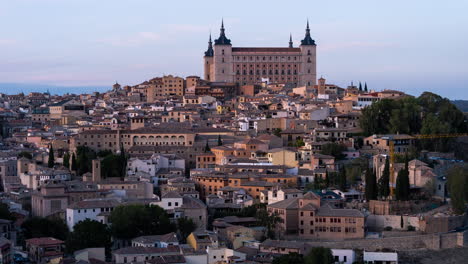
[
  {"x": 220, "y": 142},
  {"x": 365, "y": 87},
  {"x": 123, "y": 162},
  {"x": 371, "y": 185},
  {"x": 207, "y": 147},
  {"x": 343, "y": 180},
  {"x": 399, "y": 187},
  {"x": 74, "y": 166},
  {"x": 405, "y": 182},
  {"x": 360, "y": 86},
  {"x": 384, "y": 181},
  {"x": 51, "y": 161},
  {"x": 66, "y": 160},
  {"x": 327, "y": 179}
]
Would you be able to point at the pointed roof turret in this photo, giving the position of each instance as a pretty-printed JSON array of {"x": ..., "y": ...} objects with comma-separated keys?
[
  {"x": 307, "y": 39},
  {"x": 222, "y": 40},
  {"x": 290, "y": 41},
  {"x": 209, "y": 52}
]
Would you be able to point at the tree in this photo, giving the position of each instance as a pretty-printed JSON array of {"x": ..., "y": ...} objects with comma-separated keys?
[
  {"x": 371, "y": 191},
  {"x": 25, "y": 154},
  {"x": 123, "y": 160},
  {"x": 269, "y": 221},
  {"x": 360, "y": 86},
  {"x": 220, "y": 142},
  {"x": 365, "y": 87},
  {"x": 113, "y": 166},
  {"x": 427, "y": 114},
  {"x": 318, "y": 184},
  {"x": 334, "y": 149},
  {"x": 51, "y": 161},
  {"x": 185, "y": 226},
  {"x": 277, "y": 132},
  {"x": 402, "y": 223},
  {"x": 85, "y": 155},
  {"x": 44, "y": 227},
  {"x": 342, "y": 180},
  {"x": 319, "y": 255},
  {"x": 207, "y": 147},
  {"x": 104, "y": 153},
  {"x": 402, "y": 188},
  {"x": 5, "y": 212},
  {"x": 89, "y": 234},
  {"x": 74, "y": 165},
  {"x": 299, "y": 142},
  {"x": 291, "y": 258},
  {"x": 327, "y": 179},
  {"x": 129, "y": 221},
  {"x": 66, "y": 160},
  {"x": 384, "y": 181},
  {"x": 458, "y": 187}
]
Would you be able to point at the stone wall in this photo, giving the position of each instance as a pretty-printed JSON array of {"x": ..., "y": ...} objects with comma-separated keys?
[
  {"x": 379, "y": 222},
  {"x": 437, "y": 224},
  {"x": 431, "y": 241}
]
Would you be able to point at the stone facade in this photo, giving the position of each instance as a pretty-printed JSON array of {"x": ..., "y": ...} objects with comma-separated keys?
[{"x": 252, "y": 65}]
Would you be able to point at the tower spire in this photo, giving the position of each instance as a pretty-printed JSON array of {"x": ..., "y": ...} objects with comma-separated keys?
[
  {"x": 307, "y": 39},
  {"x": 290, "y": 40},
  {"x": 222, "y": 40},
  {"x": 209, "y": 52}
]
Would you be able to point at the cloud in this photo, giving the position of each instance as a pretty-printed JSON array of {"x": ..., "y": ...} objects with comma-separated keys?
[{"x": 138, "y": 39}]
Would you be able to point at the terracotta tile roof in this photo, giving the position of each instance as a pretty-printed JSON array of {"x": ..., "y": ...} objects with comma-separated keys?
[{"x": 44, "y": 241}]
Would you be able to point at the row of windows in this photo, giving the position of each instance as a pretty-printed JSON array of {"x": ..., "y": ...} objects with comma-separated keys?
[
  {"x": 206, "y": 159},
  {"x": 264, "y": 72},
  {"x": 309, "y": 60},
  {"x": 266, "y": 58},
  {"x": 106, "y": 209},
  {"x": 265, "y": 66}
]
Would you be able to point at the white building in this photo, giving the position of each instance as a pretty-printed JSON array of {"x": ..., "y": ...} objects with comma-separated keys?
[
  {"x": 283, "y": 194},
  {"x": 226, "y": 255},
  {"x": 93, "y": 209},
  {"x": 170, "y": 201},
  {"x": 154, "y": 164},
  {"x": 381, "y": 257},
  {"x": 159, "y": 241},
  {"x": 344, "y": 256}
]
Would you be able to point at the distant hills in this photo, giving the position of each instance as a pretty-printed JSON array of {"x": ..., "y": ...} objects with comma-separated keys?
[
  {"x": 462, "y": 105},
  {"x": 15, "y": 88}
]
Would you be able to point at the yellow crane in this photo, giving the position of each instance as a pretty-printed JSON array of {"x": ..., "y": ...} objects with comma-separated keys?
[{"x": 391, "y": 150}]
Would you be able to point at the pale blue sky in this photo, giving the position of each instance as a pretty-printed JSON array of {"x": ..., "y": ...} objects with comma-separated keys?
[{"x": 406, "y": 45}]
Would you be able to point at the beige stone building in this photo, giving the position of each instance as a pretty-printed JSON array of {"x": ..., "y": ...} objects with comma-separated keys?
[
  {"x": 113, "y": 139},
  {"x": 252, "y": 65},
  {"x": 309, "y": 217}
]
